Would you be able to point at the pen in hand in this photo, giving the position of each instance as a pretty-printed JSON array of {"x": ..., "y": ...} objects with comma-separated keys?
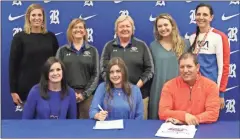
[
  {"x": 100, "y": 107},
  {"x": 102, "y": 114}
]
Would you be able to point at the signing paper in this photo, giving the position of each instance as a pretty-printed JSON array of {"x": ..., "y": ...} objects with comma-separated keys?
[
  {"x": 113, "y": 124},
  {"x": 176, "y": 131}
]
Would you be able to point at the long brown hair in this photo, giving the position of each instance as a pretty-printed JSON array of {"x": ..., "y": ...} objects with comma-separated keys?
[{"x": 125, "y": 83}]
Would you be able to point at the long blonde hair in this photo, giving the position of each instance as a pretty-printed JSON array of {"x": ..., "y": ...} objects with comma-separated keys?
[
  {"x": 70, "y": 28},
  {"x": 27, "y": 26},
  {"x": 178, "y": 42}
]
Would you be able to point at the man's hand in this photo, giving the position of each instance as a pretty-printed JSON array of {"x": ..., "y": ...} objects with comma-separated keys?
[
  {"x": 191, "y": 119},
  {"x": 222, "y": 103},
  {"x": 174, "y": 121}
]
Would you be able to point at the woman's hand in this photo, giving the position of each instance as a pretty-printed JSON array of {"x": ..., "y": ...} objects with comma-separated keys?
[{"x": 101, "y": 116}]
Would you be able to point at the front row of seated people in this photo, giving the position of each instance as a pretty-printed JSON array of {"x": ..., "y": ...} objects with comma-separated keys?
[{"x": 189, "y": 98}]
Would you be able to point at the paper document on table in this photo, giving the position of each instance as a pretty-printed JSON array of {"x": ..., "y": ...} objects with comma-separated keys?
[
  {"x": 176, "y": 131},
  {"x": 113, "y": 124}
]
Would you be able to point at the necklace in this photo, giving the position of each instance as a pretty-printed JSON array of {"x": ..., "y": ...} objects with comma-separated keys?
[
  {"x": 198, "y": 46},
  {"x": 118, "y": 92}
]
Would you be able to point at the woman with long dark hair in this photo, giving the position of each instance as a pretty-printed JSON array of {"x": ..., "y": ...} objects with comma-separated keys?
[
  {"x": 51, "y": 98},
  {"x": 212, "y": 48},
  {"x": 116, "y": 98}
]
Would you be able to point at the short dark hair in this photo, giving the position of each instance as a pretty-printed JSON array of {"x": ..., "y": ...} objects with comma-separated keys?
[
  {"x": 43, "y": 84},
  {"x": 188, "y": 55}
]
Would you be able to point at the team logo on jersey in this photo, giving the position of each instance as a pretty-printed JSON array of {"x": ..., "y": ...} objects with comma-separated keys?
[
  {"x": 205, "y": 45},
  {"x": 90, "y": 34},
  {"x": 232, "y": 34},
  {"x": 54, "y": 17},
  {"x": 192, "y": 17},
  {"x": 88, "y": 3},
  {"x": 17, "y": 3},
  {"x": 160, "y": 3}
]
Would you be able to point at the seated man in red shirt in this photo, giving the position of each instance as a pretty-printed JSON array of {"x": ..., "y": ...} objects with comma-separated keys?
[{"x": 189, "y": 98}]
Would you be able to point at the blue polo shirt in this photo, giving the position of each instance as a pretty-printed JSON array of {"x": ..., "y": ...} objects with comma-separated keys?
[{"x": 82, "y": 49}]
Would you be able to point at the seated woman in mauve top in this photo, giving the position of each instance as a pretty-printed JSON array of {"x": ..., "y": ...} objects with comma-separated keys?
[
  {"x": 51, "y": 98},
  {"x": 116, "y": 98}
]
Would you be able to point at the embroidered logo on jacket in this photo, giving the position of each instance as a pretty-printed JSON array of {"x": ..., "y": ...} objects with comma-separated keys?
[
  {"x": 134, "y": 49},
  {"x": 87, "y": 53}
]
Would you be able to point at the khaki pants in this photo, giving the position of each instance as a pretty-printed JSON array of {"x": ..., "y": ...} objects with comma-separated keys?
[
  {"x": 83, "y": 108},
  {"x": 145, "y": 106}
]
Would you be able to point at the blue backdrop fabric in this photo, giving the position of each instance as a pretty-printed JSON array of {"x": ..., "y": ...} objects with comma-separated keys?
[{"x": 100, "y": 17}]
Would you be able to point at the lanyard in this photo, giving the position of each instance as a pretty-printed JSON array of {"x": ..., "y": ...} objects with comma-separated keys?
[{"x": 197, "y": 50}]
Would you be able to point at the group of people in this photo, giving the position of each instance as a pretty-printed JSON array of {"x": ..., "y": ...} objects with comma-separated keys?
[{"x": 177, "y": 80}]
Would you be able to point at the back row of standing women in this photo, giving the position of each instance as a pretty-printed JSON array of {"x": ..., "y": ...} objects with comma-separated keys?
[{"x": 149, "y": 67}]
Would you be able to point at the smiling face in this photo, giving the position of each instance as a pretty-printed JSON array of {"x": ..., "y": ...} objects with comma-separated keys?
[
  {"x": 203, "y": 17},
  {"x": 124, "y": 29},
  {"x": 55, "y": 73},
  {"x": 78, "y": 31},
  {"x": 164, "y": 27},
  {"x": 36, "y": 18},
  {"x": 115, "y": 76},
  {"x": 188, "y": 69}
]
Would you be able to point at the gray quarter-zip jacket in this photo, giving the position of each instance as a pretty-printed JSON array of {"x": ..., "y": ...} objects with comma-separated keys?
[{"x": 137, "y": 57}]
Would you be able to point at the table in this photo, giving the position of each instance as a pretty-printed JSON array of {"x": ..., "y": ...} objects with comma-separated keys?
[{"x": 84, "y": 129}]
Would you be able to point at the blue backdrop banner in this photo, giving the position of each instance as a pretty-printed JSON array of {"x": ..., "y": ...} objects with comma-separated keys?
[{"x": 100, "y": 18}]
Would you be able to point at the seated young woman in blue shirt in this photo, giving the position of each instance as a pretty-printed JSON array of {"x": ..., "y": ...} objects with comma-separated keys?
[
  {"x": 51, "y": 98},
  {"x": 116, "y": 98}
]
